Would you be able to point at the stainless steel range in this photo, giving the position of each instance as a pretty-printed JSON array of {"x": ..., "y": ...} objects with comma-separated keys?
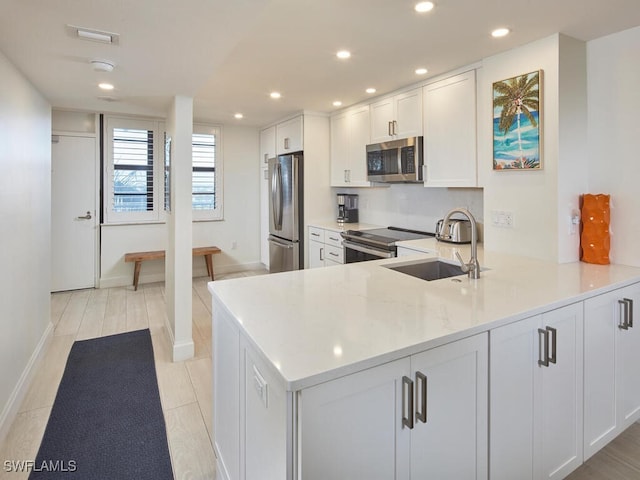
[{"x": 363, "y": 245}]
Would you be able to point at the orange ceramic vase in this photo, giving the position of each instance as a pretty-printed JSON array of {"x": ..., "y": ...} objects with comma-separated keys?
[{"x": 594, "y": 239}]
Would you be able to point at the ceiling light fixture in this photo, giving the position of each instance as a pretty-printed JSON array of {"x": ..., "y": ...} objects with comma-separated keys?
[
  {"x": 238, "y": 115},
  {"x": 500, "y": 32},
  {"x": 343, "y": 54},
  {"x": 275, "y": 95},
  {"x": 105, "y": 86},
  {"x": 337, "y": 103},
  {"x": 370, "y": 90},
  {"x": 102, "y": 66},
  {"x": 421, "y": 71},
  {"x": 423, "y": 7}
]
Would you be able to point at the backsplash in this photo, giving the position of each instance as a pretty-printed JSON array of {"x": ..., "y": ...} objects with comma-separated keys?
[{"x": 414, "y": 206}]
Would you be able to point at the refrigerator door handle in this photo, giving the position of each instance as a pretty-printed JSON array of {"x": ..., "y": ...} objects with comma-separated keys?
[
  {"x": 276, "y": 196},
  {"x": 280, "y": 244}
]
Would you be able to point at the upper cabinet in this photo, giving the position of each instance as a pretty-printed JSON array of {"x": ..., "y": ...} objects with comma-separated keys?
[
  {"x": 397, "y": 117},
  {"x": 267, "y": 145},
  {"x": 289, "y": 136},
  {"x": 450, "y": 132},
  {"x": 349, "y": 138}
]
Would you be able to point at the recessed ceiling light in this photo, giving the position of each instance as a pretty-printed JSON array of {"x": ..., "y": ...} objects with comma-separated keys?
[
  {"x": 105, "y": 86},
  {"x": 500, "y": 32},
  {"x": 238, "y": 115},
  {"x": 343, "y": 54},
  {"x": 421, "y": 71},
  {"x": 337, "y": 103},
  {"x": 370, "y": 90},
  {"x": 422, "y": 7},
  {"x": 275, "y": 95}
]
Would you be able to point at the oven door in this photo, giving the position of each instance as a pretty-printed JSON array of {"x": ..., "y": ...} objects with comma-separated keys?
[{"x": 356, "y": 252}]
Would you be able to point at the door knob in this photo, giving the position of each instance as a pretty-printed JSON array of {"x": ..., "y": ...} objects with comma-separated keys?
[{"x": 85, "y": 217}]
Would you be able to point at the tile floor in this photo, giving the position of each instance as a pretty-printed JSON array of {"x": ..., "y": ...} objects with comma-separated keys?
[{"x": 185, "y": 387}]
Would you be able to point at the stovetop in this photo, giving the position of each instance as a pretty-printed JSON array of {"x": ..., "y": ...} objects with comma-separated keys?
[{"x": 385, "y": 237}]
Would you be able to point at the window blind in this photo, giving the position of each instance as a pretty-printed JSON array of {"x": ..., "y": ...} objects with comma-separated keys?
[
  {"x": 204, "y": 171},
  {"x": 132, "y": 170}
]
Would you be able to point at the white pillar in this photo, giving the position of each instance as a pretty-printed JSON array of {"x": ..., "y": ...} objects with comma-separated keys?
[{"x": 178, "y": 265}]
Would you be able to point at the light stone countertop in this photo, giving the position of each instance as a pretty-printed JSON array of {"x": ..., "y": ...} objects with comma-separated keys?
[
  {"x": 319, "y": 324},
  {"x": 334, "y": 226}
]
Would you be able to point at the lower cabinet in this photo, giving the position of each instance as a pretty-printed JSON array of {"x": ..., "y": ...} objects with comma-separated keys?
[
  {"x": 536, "y": 396},
  {"x": 325, "y": 248},
  {"x": 418, "y": 417},
  {"x": 612, "y": 359}
]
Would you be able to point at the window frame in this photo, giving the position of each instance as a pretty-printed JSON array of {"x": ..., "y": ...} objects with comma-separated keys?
[
  {"x": 156, "y": 214},
  {"x": 217, "y": 213}
]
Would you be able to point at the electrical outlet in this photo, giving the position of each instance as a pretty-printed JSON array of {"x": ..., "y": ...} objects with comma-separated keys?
[
  {"x": 508, "y": 219},
  {"x": 502, "y": 219}
]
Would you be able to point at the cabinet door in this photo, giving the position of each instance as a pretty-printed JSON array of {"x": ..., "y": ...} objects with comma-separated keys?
[
  {"x": 382, "y": 116},
  {"x": 339, "y": 149},
  {"x": 359, "y": 138},
  {"x": 267, "y": 145},
  {"x": 352, "y": 428},
  {"x": 289, "y": 136},
  {"x": 408, "y": 114},
  {"x": 450, "y": 132},
  {"x": 629, "y": 361},
  {"x": 558, "y": 396},
  {"x": 453, "y": 441},
  {"x": 316, "y": 254},
  {"x": 513, "y": 358}
]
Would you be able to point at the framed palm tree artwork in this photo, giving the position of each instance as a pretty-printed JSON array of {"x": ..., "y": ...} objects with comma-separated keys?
[{"x": 517, "y": 140}]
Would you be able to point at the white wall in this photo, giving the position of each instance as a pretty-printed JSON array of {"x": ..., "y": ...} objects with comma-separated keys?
[
  {"x": 240, "y": 226},
  {"x": 541, "y": 201},
  {"x": 614, "y": 166},
  {"x": 25, "y": 223}
]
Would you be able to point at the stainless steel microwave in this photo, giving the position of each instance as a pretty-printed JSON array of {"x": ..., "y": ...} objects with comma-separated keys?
[{"x": 398, "y": 161}]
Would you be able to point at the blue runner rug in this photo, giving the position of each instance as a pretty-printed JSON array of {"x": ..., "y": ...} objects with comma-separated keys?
[{"x": 106, "y": 421}]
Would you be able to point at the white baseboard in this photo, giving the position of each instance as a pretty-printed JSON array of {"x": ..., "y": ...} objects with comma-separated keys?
[
  {"x": 10, "y": 410},
  {"x": 181, "y": 351}
]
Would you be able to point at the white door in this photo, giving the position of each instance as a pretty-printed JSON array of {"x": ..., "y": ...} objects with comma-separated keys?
[{"x": 73, "y": 212}]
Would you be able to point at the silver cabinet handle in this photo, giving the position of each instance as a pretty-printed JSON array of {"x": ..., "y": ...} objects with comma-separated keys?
[
  {"x": 286, "y": 143},
  {"x": 334, "y": 239},
  {"x": 334, "y": 254},
  {"x": 321, "y": 254},
  {"x": 629, "y": 302},
  {"x": 421, "y": 385},
  {"x": 543, "y": 357},
  {"x": 266, "y": 158},
  {"x": 347, "y": 176},
  {"x": 624, "y": 313},
  {"x": 395, "y": 127},
  {"x": 554, "y": 337},
  {"x": 389, "y": 128},
  {"x": 407, "y": 399},
  {"x": 85, "y": 217},
  {"x": 314, "y": 234}
]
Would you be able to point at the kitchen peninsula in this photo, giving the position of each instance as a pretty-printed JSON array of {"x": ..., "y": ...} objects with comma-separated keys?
[{"x": 359, "y": 371}]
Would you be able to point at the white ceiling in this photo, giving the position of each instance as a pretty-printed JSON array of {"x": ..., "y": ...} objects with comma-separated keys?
[{"x": 229, "y": 54}]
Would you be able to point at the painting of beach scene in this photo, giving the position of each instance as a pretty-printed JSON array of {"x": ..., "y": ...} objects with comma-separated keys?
[{"x": 516, "y": 122}]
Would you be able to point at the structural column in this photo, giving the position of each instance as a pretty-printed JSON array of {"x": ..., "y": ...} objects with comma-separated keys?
[{"x": 178, "y": 266}]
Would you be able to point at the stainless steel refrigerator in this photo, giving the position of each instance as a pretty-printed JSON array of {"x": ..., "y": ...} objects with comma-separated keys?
[{"x": 286, "y": 250}]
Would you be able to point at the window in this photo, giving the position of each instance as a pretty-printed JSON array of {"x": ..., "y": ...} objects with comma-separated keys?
[
  {"x": 207, "y": 173},
  {"x": 131, "y": 177}
]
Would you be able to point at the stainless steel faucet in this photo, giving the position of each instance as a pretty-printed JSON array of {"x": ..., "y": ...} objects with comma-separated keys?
[{"x": 473, "y": 267}]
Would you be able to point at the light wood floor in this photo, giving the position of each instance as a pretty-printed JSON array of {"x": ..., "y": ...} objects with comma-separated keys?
[{"x": 185, "y": 387}]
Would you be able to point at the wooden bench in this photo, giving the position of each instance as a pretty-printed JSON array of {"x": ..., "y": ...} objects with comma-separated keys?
[{"x": 140, "y": 257}]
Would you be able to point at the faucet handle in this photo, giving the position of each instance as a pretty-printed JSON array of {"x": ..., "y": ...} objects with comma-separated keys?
[{"x": 463, "y": 266}]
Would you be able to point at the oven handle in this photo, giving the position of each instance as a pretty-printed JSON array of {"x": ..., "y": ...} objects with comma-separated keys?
[{"x": 371, "y": 251}]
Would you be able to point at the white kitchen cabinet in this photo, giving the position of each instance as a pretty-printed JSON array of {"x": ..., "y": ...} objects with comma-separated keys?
[
  {"x": 611, "y": 357},
  {"x": 536, "y": 393},
  {"x": 417, "y": 417},
  {"x": 399, "y": 116},
  {"x": 351, "y": 427},
  {"x": 267, "y": 151},
  {"x": 289, "y": 135},
  {"x": 450, "y": 132},
  {"x": 325, "y": 248},
  {"x": 349, "y": 139}
]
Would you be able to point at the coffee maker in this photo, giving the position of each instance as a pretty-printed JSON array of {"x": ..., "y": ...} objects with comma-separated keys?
[{"x": 347, "y": 208}]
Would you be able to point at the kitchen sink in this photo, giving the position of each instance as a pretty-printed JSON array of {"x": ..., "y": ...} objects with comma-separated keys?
[{"x": 429, "y": 269}]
